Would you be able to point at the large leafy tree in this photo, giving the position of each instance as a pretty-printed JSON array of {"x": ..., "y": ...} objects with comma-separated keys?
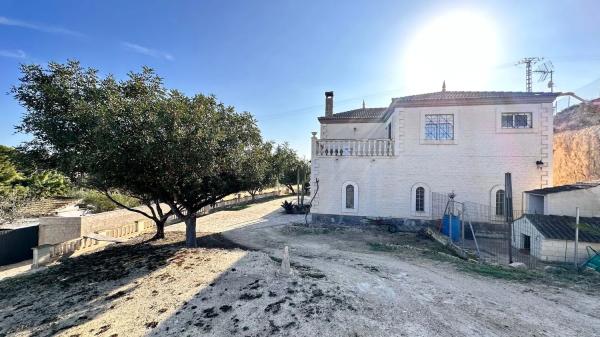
[
  {"x": 288, "y": 166},
  {"x": 137, "y": 137},
  {"x": 258, "y": 171}
]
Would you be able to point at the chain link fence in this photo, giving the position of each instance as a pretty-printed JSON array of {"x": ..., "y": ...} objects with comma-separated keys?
[{"x": 482, "y": 230}]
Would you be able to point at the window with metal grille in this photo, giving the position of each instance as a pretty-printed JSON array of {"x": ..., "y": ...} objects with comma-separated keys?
[
  {"x": 350, "y": 196},
  {"x": 439, "y": 127},
  {"x": 500, "y": 202},
  {"x": 420, "y": 199},
  {"x": 514, "y": 120}
]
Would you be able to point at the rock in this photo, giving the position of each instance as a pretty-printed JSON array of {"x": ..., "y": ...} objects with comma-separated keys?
[
  {"x": 285, "y": 263},
  {"x": 518, "y": 265}
]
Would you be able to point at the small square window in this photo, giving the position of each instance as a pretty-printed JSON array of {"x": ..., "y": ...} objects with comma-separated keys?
[{"x": 513, "y": 120}]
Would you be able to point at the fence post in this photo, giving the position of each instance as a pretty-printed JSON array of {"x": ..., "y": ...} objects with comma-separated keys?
[
  {"x": 508, "y": 207},
  {"x": 576, "y": 236}
]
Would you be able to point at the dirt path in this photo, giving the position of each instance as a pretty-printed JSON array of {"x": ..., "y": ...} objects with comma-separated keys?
[{"x": 230, "y": 286}]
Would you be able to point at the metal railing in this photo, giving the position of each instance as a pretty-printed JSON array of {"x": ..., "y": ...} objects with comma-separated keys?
[{"x": 355, "y": 147}]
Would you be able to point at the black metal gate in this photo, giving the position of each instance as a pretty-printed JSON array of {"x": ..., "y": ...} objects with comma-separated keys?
[{"x": 16, "y": 244}]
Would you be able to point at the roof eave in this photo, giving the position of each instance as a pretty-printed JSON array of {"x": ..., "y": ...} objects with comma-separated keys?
[
  {"x": 468, "y": 102},
  {"x": 329, "y": 120}
]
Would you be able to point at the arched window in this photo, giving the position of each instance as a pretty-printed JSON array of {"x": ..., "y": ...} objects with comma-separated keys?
[
  {"x": 420, "y": 199},
  {"x": 500, "y": 203},
  {"x": 350, "y": 196}
]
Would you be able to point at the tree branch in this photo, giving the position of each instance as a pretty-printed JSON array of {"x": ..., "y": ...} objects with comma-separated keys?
[{"x": 130, "y": 208}]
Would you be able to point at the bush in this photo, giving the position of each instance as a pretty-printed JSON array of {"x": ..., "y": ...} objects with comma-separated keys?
[
  {"x": 291, "y": 208},
  {"x": 47, "y": 184},
  {"x": 98, "y": 202}
]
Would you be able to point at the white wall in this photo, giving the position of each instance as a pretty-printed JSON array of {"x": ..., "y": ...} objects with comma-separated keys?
[
  {"x": 471, "y": 166},
  {"x": 354, "y": 131},
  {"x": 564, "y": 251},
  {"x": 522, "y": 227},
  {"x": 564, "y": 203},
  {"x": 534, "y": 204}
]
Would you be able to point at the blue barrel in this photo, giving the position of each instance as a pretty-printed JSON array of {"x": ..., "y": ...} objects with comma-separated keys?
[{"x": 453, "y": 221}]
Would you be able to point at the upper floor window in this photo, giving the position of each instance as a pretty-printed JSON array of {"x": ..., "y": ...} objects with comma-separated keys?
[
  {"x": 389, "y": 131},
  {"x": 516, "y": 120},
  {"x": 439, "y": 127},
  {"x": 420, "y": 199}
]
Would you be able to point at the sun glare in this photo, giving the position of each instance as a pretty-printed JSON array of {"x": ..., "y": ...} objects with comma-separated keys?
[{"x": 459, "y": 47}]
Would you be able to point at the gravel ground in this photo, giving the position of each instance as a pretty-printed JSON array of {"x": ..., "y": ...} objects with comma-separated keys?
[{"x": 341, "y": 286}]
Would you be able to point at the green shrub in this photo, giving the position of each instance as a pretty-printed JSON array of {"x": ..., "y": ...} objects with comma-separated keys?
[
  {"x": 49, "y": 183},
  {"x": 98, "y": 202}
]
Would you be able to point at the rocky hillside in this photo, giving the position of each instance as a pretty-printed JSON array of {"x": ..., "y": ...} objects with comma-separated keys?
[{"x": 577, "y": 144}]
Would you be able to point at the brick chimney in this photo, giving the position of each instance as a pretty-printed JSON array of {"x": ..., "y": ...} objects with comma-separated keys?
[{"x": 328, "y": 103}]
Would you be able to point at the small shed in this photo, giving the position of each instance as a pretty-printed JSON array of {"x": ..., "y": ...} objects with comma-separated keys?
[
  {"x": 562, "y": 200},
  {"x": 552, "y": 237}
]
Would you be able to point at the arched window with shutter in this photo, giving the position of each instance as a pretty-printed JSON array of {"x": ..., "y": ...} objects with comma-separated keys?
[
  {"x": 420, "y": 199},
  {"x": 349, "y": 197},
  {"x": 500, "y": 203}
]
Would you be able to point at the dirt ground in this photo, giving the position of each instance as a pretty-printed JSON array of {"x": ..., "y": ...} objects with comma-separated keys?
[{"x": 345, "y": 282}]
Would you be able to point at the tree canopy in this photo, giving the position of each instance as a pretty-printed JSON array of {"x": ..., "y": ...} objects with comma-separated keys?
[
  {"x": 287, "y": 165},
  {"x": 138, "y": 137}
]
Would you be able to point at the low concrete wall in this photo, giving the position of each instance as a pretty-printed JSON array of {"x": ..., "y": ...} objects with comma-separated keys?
[
  {"x": 54, "y": 230},
  {"x": 564, "y": 251}
]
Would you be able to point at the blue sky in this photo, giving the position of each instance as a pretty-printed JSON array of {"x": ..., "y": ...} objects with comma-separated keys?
[{"x": 276, "y": 58}]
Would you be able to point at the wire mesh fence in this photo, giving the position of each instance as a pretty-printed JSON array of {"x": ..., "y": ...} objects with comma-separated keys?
[{"x": 483, "y": 230}]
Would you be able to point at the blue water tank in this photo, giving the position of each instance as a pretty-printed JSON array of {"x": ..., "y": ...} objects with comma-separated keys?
[{"x": 453, "y": 221}]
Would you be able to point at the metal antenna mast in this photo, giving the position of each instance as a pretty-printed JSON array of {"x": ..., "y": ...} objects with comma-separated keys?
[
  {"x": 528, "y": 61},
  {"x": 545, "y": 70}
]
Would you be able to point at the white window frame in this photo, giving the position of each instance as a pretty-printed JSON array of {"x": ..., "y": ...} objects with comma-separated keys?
[
  {"x": 349, "y": 210},
  {"x": 493, "y": 191},
  {"x": 427, "y": 200},
  {"x": 423, "y": 116},
  {"x": 528, "y": 115},
  {"x": 535, "y": 120}
]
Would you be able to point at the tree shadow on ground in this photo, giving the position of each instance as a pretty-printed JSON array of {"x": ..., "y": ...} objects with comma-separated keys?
[{"x": 78, "y": 289}]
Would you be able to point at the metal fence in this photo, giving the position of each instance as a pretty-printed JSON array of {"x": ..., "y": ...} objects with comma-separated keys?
[
  {"x": 480, "y": 230},
  {"x": 16, "y": 244}
]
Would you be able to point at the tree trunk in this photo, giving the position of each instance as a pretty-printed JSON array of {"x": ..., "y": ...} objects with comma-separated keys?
[
  {"x": 291, "y": 188},
  {"x": 190, "y": 231},
  {"x": 160, "y": 230}
]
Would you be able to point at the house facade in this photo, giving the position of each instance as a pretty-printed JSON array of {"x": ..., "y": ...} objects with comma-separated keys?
[{"x": 388, "y": 162}]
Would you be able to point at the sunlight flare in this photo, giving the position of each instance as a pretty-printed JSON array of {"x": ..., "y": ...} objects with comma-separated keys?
[{"x": 460, "y": 47}]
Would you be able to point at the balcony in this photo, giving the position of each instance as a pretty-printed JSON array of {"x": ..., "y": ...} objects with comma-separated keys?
[{"x": 353, "y": 147}]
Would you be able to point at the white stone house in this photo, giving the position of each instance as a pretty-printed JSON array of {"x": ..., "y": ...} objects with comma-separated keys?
[{"x": 387, "y": 162}]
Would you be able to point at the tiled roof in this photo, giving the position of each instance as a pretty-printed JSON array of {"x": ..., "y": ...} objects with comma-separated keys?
[
  {"x": 357, "y": 114},
  {"x": 449, "y": 98},
  {"x": 564, "y": 188},
  {"x": 563, "y": 227},
  {"x": 441, "y": 98}
]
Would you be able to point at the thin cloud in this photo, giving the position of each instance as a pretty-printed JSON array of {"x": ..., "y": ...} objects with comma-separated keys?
[
  {"x": 147, "y": 51},
  {"x": 17, "y": 54},
  {"x": 39, "y": 27}
]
